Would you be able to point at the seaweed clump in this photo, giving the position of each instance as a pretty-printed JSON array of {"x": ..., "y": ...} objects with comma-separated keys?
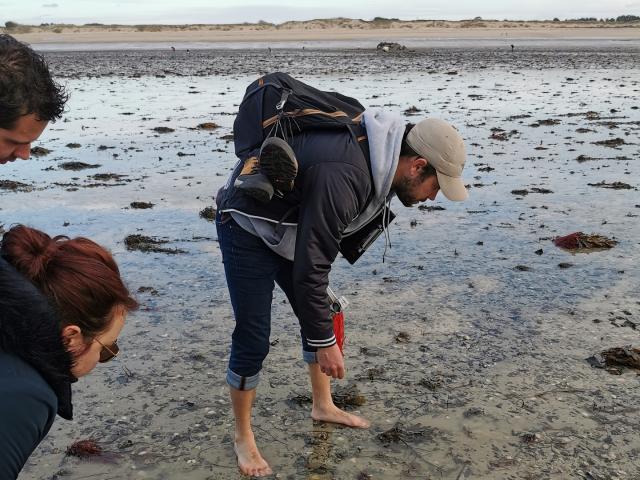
[
  {"x": 84, "y": 449},
  {"x": 208, "y": 213},
  {"x": 584, "y": 241},
  {"x": 146, "y": 244}
]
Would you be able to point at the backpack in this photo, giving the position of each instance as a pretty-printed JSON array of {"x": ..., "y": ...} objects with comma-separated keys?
[{"x": 279, "y": 105}]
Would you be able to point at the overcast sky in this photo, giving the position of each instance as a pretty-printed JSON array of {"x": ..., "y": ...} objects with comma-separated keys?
[{"x": 229, "y": 11}]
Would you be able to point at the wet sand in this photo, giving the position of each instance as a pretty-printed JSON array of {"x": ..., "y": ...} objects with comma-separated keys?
[{"x": 468, "y": 344}]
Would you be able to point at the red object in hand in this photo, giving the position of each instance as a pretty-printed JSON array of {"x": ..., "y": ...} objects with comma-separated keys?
[{"x": 338, "y": 329}]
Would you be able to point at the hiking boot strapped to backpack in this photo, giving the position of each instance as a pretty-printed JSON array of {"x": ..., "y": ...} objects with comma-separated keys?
[
  {"x": 275, "y": 108},
  {"x": 275, "y": 169}
]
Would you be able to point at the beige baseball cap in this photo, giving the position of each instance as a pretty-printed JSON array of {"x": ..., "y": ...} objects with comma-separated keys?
[{"x": 442, "y": 146}]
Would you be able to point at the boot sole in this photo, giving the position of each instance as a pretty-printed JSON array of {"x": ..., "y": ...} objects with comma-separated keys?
[
  {"x": 278, "y": 163},
  {"x": 258, "y": 188}
]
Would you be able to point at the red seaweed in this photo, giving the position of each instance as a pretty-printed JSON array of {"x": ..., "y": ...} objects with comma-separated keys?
[
  {"x": 84, "y": 449},
  {"x": 579, "y": 240}
]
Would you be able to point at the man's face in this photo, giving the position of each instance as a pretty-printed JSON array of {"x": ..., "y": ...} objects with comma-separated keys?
[
  {"x": 16, "y": 142},
  {"x": 411, "y": 188}
]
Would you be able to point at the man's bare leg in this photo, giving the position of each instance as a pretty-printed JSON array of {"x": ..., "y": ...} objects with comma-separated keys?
[
  {"x": 249, "y": 459},
  {"x": 323, "y": 409}
]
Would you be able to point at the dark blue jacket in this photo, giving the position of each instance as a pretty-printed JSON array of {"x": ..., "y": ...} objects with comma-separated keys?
[{"x": 35, "y": 378}]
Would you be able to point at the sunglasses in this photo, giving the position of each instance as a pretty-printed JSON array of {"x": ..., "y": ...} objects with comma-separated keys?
[{"x": 108, "y": 352}]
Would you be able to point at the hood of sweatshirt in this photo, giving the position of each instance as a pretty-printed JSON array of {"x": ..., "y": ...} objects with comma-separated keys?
[{"x": 384, "y": 134}]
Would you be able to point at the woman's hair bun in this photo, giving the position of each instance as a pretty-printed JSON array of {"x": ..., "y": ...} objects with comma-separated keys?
[
  {"x": 28, "y": 250},
  {"x": 79, "y": 277}
]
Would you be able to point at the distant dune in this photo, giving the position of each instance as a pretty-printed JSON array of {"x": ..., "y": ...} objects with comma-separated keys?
[{"x": 324, "y": 29}]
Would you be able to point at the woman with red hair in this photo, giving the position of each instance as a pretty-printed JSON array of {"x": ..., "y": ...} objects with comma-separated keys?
[{"x": 62, "y": 307}]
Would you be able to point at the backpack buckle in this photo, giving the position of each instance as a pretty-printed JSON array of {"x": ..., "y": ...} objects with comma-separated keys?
[{"x": 283, "y": 99}]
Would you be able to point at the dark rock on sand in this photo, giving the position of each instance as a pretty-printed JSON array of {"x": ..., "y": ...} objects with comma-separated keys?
[
  {"x": 412, "y": 111},
  {"x": 402, "y": 337},
  {"x": 612, "y": 143},
  {"x": 517, "y": 117},
  {"x": 390, "y": 47},
  {"x": 14, "y": 186},
  {"x": 75, "y": 166},
  {"x": 108, "y": 176},
  {"x": 149, "y": 290},
  {"x": 430, "y": 208},
  {"x": 141, "y": 205},
  {"x": 612, "y": 185},
  {"x": 541, "y": 190},
  {"x": 348, "y": 396},
  {"x": 163, "y": 130},
  {"x": 40, "y": 151},
  {"x": 502, "y": 135},
  {"x": 546, "y": 122}
]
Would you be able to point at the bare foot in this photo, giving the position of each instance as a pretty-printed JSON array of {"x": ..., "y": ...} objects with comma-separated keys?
[
  {"x": 250, "y": 461},
  {"x": 333, "y": 414}
]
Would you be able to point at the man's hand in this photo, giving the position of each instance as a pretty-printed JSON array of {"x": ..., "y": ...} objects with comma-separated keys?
[{"x": 331, "y": 361}]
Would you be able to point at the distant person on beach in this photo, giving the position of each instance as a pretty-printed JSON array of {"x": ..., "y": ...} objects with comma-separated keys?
[
  {"x": 285, "y": 211},
  {"x": 29, "y": 98},
  {"x": 62, "y": 307}
]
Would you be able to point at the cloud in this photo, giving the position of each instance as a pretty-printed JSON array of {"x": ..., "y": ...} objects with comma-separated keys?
[{"x": 50, "y": 5}]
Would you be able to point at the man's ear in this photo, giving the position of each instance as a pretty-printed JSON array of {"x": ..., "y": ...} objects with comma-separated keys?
[
  {"x": 72, "y": 338},
  {"x": 417, "y": 164}
]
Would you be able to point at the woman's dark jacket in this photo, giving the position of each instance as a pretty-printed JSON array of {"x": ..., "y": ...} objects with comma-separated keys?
[{"x": 35, "y": 379}]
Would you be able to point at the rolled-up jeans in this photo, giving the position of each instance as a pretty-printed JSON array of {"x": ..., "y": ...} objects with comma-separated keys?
[{"x": 252, "y": 269}]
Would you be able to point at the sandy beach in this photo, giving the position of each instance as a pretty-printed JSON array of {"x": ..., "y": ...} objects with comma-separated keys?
[
  {"x": 467, "y": 348},
  {"x": 329, "y": 30}
]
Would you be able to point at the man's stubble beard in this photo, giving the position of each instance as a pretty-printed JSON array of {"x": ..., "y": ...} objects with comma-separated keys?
[{"x": 402, "y": 191}]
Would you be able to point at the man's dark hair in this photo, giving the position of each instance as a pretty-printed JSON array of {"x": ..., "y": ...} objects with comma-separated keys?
[
  {"x": 26, "y": 85},
  {"x": 407, "y": 151}
]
